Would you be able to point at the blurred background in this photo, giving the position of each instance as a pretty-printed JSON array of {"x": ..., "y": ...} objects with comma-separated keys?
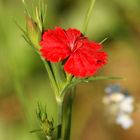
[{"x": 24, "y": 82}]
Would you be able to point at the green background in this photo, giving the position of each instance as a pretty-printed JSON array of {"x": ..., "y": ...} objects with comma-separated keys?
[{"x": 24, "y": 82}]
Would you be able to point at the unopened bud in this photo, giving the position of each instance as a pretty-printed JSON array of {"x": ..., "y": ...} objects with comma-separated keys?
[
  {"x": 33, "y": 31},
  {"x": 47, "y": 125}
]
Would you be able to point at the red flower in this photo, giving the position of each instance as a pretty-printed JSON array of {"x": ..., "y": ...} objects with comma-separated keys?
[{"x": 83, "y": 57}]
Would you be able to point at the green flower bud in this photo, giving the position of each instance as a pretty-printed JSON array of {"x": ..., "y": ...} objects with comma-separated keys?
[
  {"x": 33, "y": 32},
  {"x": 47, "y": 125}
]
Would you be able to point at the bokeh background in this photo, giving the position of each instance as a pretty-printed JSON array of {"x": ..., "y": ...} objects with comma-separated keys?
[{"x": 24, "y": 82}]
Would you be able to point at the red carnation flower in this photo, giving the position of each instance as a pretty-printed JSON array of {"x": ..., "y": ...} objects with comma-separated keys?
[{"x": 83, "y": 57}]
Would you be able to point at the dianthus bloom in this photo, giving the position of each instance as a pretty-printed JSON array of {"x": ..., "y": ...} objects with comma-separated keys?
[{"x": 82, "y": 57}]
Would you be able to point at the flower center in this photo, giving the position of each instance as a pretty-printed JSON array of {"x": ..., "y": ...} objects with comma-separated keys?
[{"x": 75, "y": 45}]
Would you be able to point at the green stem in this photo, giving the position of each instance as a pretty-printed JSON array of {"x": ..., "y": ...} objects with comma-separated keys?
[
  {"x": 88, "y": 15},
  {"x": 54, "y": 77},
  {"x": 49, "y": 138},
  {"x": 50, "y": 74},
  {"x": 65, "y": 88},
  {"x": 60, "y": 101},
  {"x": 68, "y": 114},
  {"x": 59, "y": 118},
  {"x": 59, "y": 74}
]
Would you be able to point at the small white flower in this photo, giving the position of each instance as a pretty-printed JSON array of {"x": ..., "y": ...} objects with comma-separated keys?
[
  {"x": 129, "y": 99},
  {"x": 117, "y": 97},
  {"x": 124, "y": 120},
  {"x": 127, "y": 104},
  {"x": 113, "y": 98}
]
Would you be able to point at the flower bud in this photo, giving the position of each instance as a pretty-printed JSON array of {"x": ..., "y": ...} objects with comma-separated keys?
[
  {"x": 33, "y": 31},
  {"x": 47, "y": 125}
]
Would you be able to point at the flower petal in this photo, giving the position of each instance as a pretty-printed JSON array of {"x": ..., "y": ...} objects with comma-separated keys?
[
  {"x": 101, "y": 58},
  {"x": 86, "y": 60},
  {"x": 55, "y": 45},
  {"x": 79, "y": 66},
  {"x": 73, "y": 34}
]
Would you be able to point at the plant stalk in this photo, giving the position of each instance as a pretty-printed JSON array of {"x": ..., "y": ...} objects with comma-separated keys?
[
  {"x": 87, "y": 17},
  {"x": 52, "y": 79},
  {"x": 58, "y": 74},
  {"x": 59, "y": 118},
  {"x": 68, "y": 114},
  {"x": 49, "y": 138}
]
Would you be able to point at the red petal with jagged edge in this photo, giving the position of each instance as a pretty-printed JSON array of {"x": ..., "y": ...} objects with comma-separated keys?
[
  {"x": 55, "y": 45},
  {"x": 101, "y": 59},
  {"x": 86, "y": 60}
]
